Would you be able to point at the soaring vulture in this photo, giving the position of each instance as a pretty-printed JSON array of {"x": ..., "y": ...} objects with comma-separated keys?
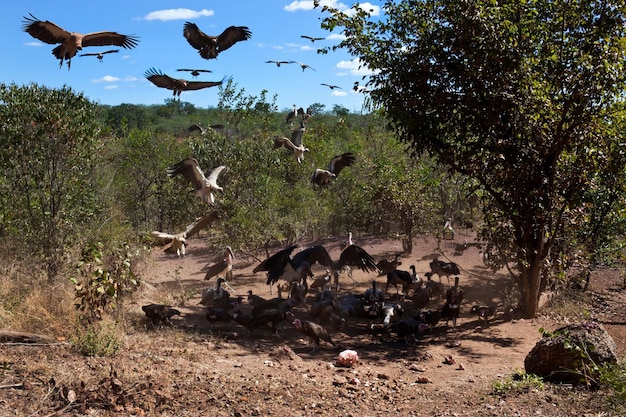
[
  {"x": 177, "y": 85},
  {"x": 295, "y": 144},
  {"x": 323, "y": 176},
  {"x": 179, "y": 240},
  {"x": 194, "y": 72},
  {"x": 311, "y": 38},
  {"x": 71, "y": 42},
  {"x": 332, "y": 87},
  {"x": 302, "y": 65},
  {"x": 210, "y": 46},
  {"x": 278, "y": 63},
  {"x": 101, "y": 55},
  {"x": 204, "y": 186}
]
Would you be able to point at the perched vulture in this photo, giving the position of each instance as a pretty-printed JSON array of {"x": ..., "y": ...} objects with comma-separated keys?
[
  {"x": 323, "y": 176},
  {"x": 295, "y": 144},
  {"x": 332, "y": 87},
  {"x": 159, "y": 313},
  {"x": 210, "y": 46},
  {"x": 177, "y": 85},
  {"x": 179, "y": 240},
  {"x": 293, "y": 113},
  {"x": 278, "y": 63},
  {"x": 194, "y": 72},
  {"x": 311, "y": 38},
  {"x": 71, "y": 42},
  {"x": 101, "y": 55},
  {"x": 203, "y": 186}
]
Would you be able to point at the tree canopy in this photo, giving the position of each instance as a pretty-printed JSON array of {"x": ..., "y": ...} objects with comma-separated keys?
[{"x": 525, "y": 97}]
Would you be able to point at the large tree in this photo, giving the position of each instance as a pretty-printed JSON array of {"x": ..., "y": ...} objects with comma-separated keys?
[{"x": 523, "y": 96}]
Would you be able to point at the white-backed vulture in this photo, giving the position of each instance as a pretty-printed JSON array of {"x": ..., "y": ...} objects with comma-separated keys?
[
  {"x": 72, "y": 42},
  {"x": 210, "y": 46},
  {"x": 204, "y": 186},
  {"x": 194, "y": 72},
  {"x": 302, "y": 65},
  {"x": 177, "y": 85},
  {"x": 278, "y": 63},
  {"x": 295, "y": 144},
  {"x": 323, "y": 176},
  {"x": 332, "y": 87},
  {"x": 223, "y": 267},
  {"x": 179, "y": 240},
  {"x": 311, "y": 38}
]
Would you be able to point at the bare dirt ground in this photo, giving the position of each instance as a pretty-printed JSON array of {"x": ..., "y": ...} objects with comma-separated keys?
[{"x": 195, "y": 368}]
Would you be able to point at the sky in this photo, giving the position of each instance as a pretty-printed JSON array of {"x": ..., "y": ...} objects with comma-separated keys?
[{"x": 276, "y": 26}]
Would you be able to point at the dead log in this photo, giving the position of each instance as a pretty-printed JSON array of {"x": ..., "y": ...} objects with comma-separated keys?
[{"x": 8, "y": 336}]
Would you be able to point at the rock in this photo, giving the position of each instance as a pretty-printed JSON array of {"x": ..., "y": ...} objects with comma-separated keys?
[{"x": 569, "y": 352}]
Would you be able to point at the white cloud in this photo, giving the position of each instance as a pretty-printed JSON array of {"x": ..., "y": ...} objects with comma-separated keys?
[
  {"x": 111, "y": 87},
  {"x": 177, "y": 14},
  {"x": 354, "y": 67},
  {"x": 338, "y": 93},
  {"x": 308, "y": 5},
  {"x": 105, "y": 79},
  {"x": 336, "y": 36},
  {"x": 33, "y": 44}
]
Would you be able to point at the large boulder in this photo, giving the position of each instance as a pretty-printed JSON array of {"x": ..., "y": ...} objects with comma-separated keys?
[{"x": 570, "y": 353}]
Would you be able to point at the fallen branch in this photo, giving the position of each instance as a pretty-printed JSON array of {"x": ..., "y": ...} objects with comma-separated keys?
[{"x": 7, "y": 336}]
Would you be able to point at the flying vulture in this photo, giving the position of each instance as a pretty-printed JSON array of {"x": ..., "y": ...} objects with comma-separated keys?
[
  {"x": 323, "y": 176},
  {"x": 100, "y": 55},
  {"x": 194, "y": 72},
  {"x": 210, "y": 46},
  {"x": 159, "y": 79},
  {"x": 71, "y": 42},
  {"x": 278, "y": 63},
  {"x": 204, "y": 187},
  {"x": 303, "y": 66},
  {"x": 295, "y": 144},
  {"x": 198, "y": 128},
  {"x": 332, "y": 87},
  {"x": 179, "y": 240},
  {"x": 311, "y": 38}
]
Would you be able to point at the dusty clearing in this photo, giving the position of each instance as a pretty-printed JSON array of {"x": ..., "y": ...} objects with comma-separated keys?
[{"x": 195, "y": 368}]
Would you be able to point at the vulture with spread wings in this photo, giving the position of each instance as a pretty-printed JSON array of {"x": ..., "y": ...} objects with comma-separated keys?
[
  {"x": 210, "y": 46},
  {"x": 194, "y": 72},
  {"x": 72, "y": 42},
  {"x": 295, "y": 144},
  {"x": 204, "y": 186},
  {"x": 323, "y": 176},
  {"x": 177, "y": 85},
  {"x": 179, "y": 240},
  {"x": 100, "y": 55}
]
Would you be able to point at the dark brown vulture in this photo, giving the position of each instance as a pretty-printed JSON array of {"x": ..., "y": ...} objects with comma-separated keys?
[
  {"x": 194, "y": 72},
  {"x": 177, "y": 85},
  {"x": 179, "y": 240},
  {"x": 210, "y": 46},
  {"x": 204, "y": 186},
  {"x": 311, "y": 38},
  {"x": 71, "y": 42},
  {"x": 332, "y": 87},
  {"x": 101, "y": 55},
  {"x": 160, "y": 313},
  {"x": 323, "y": 176}
]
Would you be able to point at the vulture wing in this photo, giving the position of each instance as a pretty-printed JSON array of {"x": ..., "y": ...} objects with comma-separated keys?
[
  {"x": 100, "y": 53},
  {"x": 197, "y": 85},
  {"x": 281, "y": 257},
  {"x": 321, "y": 177},
  {"x": 110, "y": 38},
  {"x": 195, "y": 128},
  {"x": 278, "y": 142},
  {"x": 190, "y": 170},
  {"x": 356, "y": 256},
  {"x": 215, "y": 173},
  {"x": 296, "y": 135},
  {"x": 196, "y": 38},
  {"x": 314, "y": 254},
  {"x": 163, "y": 235},
  {"x": 163, "y": 80},
  {"x": 232, "y": 35},
  {"x": 341, "y": 161},
  {"x": 46, "y": 31},
  {"x": 193, "y": 70},
  {"x": 201, "y": 223}
]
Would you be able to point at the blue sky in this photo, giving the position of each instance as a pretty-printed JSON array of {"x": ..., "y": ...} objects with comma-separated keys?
[{"x": 276, "y": 25}]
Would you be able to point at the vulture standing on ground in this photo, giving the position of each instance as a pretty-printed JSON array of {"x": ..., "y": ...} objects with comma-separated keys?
[
  {"x": 159, "y": 313},
  {"x": 223, "y": 267},
  {"x": 177, "y": 85},
  {"x": 72, "y": 42},
  {"x": 295, "y": 144},
  {"x": 194, "y": 72},
  {"x": 323, "y": 176},
  {"x": 100, "y": 55},
  {"x": 210, "y": 46},
  {"x": 204, "y": 186},
  {"x": 314, "y": 331},
  {"x": 179, "y": 240}
]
